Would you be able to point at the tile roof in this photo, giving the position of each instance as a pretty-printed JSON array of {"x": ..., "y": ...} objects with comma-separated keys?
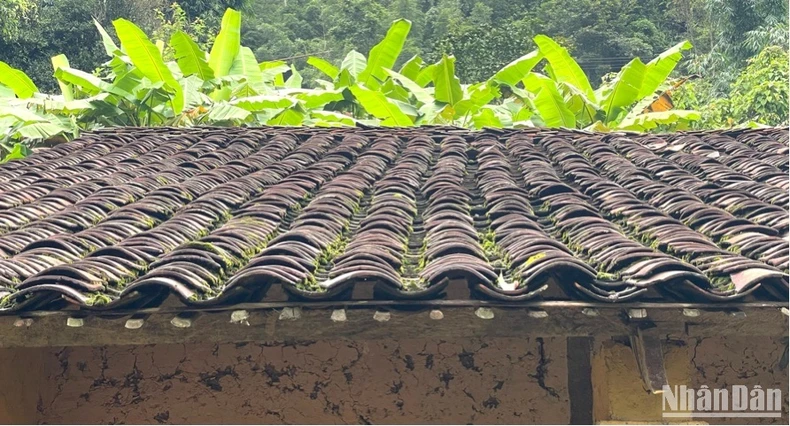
[{"x": 126, "y": 217}]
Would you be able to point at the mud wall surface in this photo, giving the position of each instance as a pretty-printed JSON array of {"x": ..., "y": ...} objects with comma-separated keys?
[
  {"x": 719, "y": 363},
  {"x": 514, "y": 381},
  {"x": 405, "y": 381}
]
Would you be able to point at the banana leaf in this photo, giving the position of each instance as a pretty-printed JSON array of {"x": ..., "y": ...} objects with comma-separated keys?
[
  {"x": 293, "y": 116},
  {"x": 324, "y": 66},
  {"x": 17, "y": 81},
  {"x": 624, "y": 89},
  {"x": 549, "y": 102},
  {"x": 89, "y": 83},
  {"x": 447, "y": 85},
  {"x": 384, "y": 54},
  {"x": 60, "y": 61},
  {"x": 412, "y": 67},
  {"x": 486, "y": 118},
  {"x": 191, "y": 60},
  {"x": 513, "y": 72},
  {"x": 377, "y": 105},
  {"x": 563, "y": 67},
  {"x": 109, "y": 45},
  {"x": 246, "y": 65},
  {"x": 657, "y": 70},
  {"x": 227, "y": 44},
  {"x": 651, "y": 120},
  {"x": 420, "y": 93},
  {"x": 147, "y": 58},
  {"x": 354, "y": 63},
  {"x": 333, "y": 117}
]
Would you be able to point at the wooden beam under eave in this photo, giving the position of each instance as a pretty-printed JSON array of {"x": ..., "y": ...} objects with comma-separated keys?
[{"x": 275, "y": 324}]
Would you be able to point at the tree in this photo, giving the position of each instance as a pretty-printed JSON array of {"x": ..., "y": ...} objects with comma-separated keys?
[
  {"x": 759, "y": 94},
  {"x": 482, "y": 50},
  {"x": 480, "y": 14},
  {"x": 211, "y": 11},
  {"x": 12, "y": 14},
  {"x": 64, "y": 26},
  {"x": 605, "y": 34},
  {"x": 356, "y": 24},
  {"x": 734, "y": 31},
  {"x": 441, "y": 19},
  {"x": 480, "y": 36},
  {"x": 174, "y": 19}
]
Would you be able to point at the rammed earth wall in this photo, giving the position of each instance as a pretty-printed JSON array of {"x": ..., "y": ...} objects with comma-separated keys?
[
  {"x": 715, "y": 362},
  {"x": 409, "y": 381},
  {"x": 381, "y": 381}
]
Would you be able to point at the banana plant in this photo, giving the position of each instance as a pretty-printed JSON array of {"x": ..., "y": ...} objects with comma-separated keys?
[
  {"x": 27, "y": 114},
  {"x": 562, "y": 96},
  {"x": 228, "y": 86},
  {"x": 441, "y": 98}
]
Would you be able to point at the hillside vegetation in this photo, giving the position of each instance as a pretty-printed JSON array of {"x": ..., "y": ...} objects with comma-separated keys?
[{"x": 591, "y": 64}]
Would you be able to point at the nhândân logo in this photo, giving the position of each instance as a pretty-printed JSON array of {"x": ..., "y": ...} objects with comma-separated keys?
[{"x": 735, "y": 401}]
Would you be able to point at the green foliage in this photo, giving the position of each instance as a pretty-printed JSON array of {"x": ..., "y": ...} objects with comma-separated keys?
[
  {"x": 483, "y": 49},
  {"x": 759, "y": 95},
  {"x": 732, "y": 31},
  {"x": 651, "y": 120},
  {"x": 191, "y": 60},
  {"x": 659, "y": 69},
  {"x": 561, "y": 66},
  {"x": 173, "y": 81},
  {"x": 564, "y": 96},
  {"x": 58, "y": 62},
  {"x": 384, "y": 54},
  {"x": 18, "y": 151},
  {"x": 65, "y": 27},
  {"x": 604, "y": 35},
  {"x": 353, "y": 64},
  {"x": 513, "y": 72},
  {"x": 174, "y": 20},
  {"x": 14, "y": 13},
  {"x": 624, "y": 89},
  {"x": 226, "y": 45},
  {"x": 147, "y": 58},
  {"x": 17, "y": 81},
  {"x": 324, "y": 66},
  {"x": 379, "y": 106},
  {"x": 484, "y": 35},
  {"x": 549, "y": 102},
  {"x": 448, "y": 86}
]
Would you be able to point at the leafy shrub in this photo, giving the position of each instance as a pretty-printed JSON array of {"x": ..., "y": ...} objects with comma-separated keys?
[{"x": 758, "y": 96}]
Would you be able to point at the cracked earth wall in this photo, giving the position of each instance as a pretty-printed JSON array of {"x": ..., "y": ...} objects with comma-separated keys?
[
  {"x": 404, "y": 381},
  {"x": 719, "y": 362},
  {"x": 384, "y": 381}
]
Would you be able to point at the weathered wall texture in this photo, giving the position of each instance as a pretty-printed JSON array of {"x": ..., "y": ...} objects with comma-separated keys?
[
  {"x": 716, "y": 362},
  {"x": 408, "y": 381},
  {"x": 385, "y": 381}
]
